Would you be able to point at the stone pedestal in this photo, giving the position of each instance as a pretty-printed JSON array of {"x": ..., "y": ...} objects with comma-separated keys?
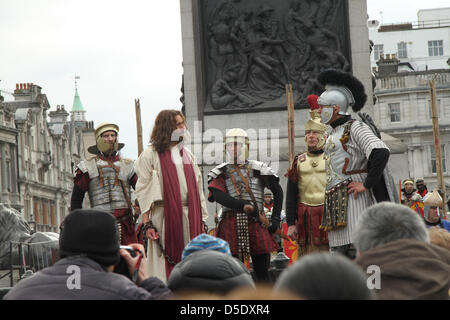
[{"x": 269, "y": 126}]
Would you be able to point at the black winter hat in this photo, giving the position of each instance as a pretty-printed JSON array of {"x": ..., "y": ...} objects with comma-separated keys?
[{"x": 90, "y": 232}]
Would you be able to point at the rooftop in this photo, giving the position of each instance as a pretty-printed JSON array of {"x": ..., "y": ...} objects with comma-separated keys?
[
  {"x": 77, "y": 105},
  {"x": 427, "y": 24}
]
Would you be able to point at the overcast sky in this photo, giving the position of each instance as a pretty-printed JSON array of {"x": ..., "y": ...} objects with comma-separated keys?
[{"x": 122, "y": 50}]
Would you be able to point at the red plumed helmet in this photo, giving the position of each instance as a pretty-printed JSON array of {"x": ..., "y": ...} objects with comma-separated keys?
[{"x": 312, "y": 101}]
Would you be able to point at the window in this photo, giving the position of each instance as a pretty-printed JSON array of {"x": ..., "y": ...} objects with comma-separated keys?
[
  {"x": 41, "y": 175},
  {"x": 433, "y": 159},
  {"x": 401, "y": 50},
  {"x": 438, "y": 106},
  {"x": 378, "y": 50},
  {"x": 45, "y": 213},
  {"x": 53, "y": 215},
  {"x": 435, "y": 48},
  {"x": 394, "y": 112}
]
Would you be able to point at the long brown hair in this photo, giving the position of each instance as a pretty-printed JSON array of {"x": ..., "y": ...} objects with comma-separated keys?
[{"x": 165, "y": 124}]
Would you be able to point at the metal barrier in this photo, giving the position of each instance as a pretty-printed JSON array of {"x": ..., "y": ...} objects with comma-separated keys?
[{"x": 28, "y": 258}]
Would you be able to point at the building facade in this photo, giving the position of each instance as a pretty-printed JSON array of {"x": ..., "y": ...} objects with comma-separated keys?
[
  {"x": 39, "y": 148},
  {"x": 405, "y": 58},
  {"x": 424, "y": 44},
  {"x": 9, "y": 192}
]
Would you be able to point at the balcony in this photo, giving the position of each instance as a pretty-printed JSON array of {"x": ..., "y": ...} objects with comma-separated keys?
[{"x": 412, "y": 80}]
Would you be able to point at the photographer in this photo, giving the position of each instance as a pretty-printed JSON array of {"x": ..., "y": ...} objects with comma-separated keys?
[{"x": 89, "y": 251}]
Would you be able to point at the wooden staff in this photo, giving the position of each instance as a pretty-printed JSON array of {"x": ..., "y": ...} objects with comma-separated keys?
[
  {"x": 400, "y": 190},
  {"x": 291, "y": 133},
  {"x": 437, "y": 143},
  {"x": 138, "y": 126}
]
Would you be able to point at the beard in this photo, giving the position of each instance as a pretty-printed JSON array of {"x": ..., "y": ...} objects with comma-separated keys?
[{"x": 181, "y": 136}]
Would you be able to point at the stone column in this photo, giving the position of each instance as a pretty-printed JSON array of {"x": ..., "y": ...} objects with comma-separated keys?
[
  {"x": 4, "y": 177},
  {"x": 2, "y": 168}
]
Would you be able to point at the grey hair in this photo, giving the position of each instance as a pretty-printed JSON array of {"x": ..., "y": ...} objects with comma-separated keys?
[{"x": 386, "y": 222}]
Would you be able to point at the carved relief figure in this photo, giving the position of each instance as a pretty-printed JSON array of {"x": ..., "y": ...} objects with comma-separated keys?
[{"x": 255, "y": 48}]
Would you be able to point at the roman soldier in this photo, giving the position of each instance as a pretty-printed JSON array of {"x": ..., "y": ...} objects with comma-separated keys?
[
  {"x": 432, "y": 211},
  {"x": 355, "y": 160},
  {"x": 238, "y": 185},
  {"x": 108, "y": 179},
  {"x": 306, "y": 188}
]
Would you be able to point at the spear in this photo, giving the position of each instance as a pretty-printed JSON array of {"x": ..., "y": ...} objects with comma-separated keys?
[
  {"x": 291, "y": 134},
  {"x": 437, "y": 142},
  {"x": 138, "y": 126}
]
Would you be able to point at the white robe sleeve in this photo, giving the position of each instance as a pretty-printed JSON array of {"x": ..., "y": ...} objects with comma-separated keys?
[{"x": 148, "y": 185}]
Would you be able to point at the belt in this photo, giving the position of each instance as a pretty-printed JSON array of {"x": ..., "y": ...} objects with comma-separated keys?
[
  {"x": 160, "y": 203},
  {"x": 231, "y": 212}
]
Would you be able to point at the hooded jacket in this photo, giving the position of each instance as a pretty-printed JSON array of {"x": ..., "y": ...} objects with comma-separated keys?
[{"x": 410, "y": 269}]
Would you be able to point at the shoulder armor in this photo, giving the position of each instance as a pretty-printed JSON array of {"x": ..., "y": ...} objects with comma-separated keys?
[
  {"x": 217, "y": 171},
  {"x": 126, "y": 169},
  {"x": 262, "y": 167},
  {"x": 89, "y": 166},
  {"x": 302, "y": 157}
]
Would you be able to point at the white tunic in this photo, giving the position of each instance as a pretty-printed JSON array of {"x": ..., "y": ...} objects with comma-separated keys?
[
  {"x": 359, "y": 147},
  {"x": 149, "y": 191}
]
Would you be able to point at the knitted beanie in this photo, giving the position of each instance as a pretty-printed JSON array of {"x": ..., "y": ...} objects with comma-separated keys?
[
  {"x": 90, "y": 232},
  {"x": 205, "y": 241}
]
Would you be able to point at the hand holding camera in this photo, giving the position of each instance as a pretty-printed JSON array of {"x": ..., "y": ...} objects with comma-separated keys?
[{"x": 136, "y": 261}]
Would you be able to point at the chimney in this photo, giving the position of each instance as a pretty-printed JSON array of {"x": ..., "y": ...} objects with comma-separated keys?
[{"x": 388, "y": 65}]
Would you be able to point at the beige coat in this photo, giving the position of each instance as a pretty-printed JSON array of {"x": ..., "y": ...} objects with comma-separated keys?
[{"x": 149, "y": 192}]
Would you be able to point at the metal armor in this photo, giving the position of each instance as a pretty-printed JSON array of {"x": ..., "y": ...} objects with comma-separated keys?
[
  {"x": 335, "y": 160},
  {"x": 105, "y": 186},
  {"x": 336, "y": 197},
  {"x": 311, "y": 185},
  {"x": 255, "y": 183}
]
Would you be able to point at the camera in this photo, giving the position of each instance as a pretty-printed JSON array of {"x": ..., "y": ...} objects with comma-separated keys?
[
  {"x": 130, "y": 250},
  {"x": 122, "y": 266}
]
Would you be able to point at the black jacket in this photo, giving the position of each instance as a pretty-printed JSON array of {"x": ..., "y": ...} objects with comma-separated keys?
[{"x": 95, "y": 283}]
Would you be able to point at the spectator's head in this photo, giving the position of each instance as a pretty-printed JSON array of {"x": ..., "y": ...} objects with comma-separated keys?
[
  {"x": 206, "y": 241},
  {"x": 92, "y": 233},
  {"x": 321, "y": 276},
  {"x": 439, "y": 237},
  {"x": 386, "y": 222},
  {"x": 209, "y": 271}
]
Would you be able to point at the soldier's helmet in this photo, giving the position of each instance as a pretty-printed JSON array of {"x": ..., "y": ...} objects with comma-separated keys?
[{"x": 239, "y": 136}]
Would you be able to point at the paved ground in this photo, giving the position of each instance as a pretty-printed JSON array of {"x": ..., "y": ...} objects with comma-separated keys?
[{"x": 5, "y": 282}]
